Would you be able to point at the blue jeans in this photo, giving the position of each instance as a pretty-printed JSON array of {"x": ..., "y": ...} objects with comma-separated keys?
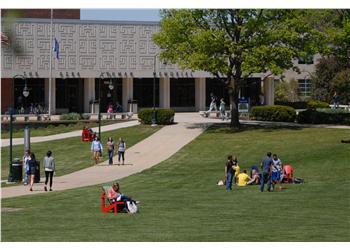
[
  {"x": 229, "y": 181},
  {"x": 265, "y": 177},
  {"x": 110, "y": 156}
]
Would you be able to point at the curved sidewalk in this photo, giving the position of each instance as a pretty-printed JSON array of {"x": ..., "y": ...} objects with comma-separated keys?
[
  {"x": 20, "y": 141},
  {"x": 145, "y": 154}
]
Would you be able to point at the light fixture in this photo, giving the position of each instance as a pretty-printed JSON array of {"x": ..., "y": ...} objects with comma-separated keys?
[{"x": 25, "y": 91}]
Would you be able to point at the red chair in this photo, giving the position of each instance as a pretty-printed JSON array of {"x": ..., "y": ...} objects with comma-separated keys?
[{"x": 111, "y": 206}]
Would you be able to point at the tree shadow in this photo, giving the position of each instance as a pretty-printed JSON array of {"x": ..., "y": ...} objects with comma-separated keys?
[{"x": 226, "y": 129}]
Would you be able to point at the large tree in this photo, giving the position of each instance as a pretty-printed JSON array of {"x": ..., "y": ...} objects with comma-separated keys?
[{"x": 234, "y": 43}]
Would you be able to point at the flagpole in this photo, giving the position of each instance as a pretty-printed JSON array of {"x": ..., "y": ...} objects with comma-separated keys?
[{"x": 50, "y": 79}]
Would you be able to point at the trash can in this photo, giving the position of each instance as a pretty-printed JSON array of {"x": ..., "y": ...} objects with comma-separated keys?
[
  {"x": 132, "y": 106},
  {"x": 37, "y": 173},
  {"x": 16, "y": 171}
]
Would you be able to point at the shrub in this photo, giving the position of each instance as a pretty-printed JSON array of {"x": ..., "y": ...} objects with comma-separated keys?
[
  {"x": 312, "y": 116},
  {"x": 163, "y": 116},
  {"x": 70, "y": 116},
  {"x": 274, "y": 113},
  {"x": 295, "y": 105},
  {"x": 85, "y": 116},
  {"x": 314, "y": 104}
]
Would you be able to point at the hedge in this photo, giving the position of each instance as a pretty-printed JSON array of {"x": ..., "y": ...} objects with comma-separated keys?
[
  {"x": 312, "y": 116},
  {"x": 163, "y": 116},
  {"x": 70, "y": 116},
  {"x": 295, "y": 105},
  {"x": 275, "y": 113},
  {"x": 314, "y": 104}
]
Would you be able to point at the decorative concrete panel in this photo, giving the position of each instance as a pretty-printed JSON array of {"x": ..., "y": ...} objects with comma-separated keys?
[{"x": 87, "y": 48}]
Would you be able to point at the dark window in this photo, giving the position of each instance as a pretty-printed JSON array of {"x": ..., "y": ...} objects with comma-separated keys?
[
  {"x": 304, "y": 87},
  {"x": 69, "y": 94},
  {"x": 36, "y": 93},
  {"x": 182, "y": 92},
  {"x": 143, "y": 92},
  {"x": 109, "y": 96}
]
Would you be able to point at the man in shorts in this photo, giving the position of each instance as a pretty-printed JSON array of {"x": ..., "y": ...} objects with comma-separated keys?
[{"x": 276, "y": 171}]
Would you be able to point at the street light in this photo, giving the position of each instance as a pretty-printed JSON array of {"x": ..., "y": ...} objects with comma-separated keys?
[
  {"x": 154, "y": 93},
  {"x": 25, "y": 94}
]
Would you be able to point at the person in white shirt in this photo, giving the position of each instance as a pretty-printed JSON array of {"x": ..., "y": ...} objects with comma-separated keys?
[{"x": 96, "y": 149}]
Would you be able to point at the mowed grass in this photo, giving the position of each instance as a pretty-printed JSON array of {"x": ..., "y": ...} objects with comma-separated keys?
[
  {"x": 181, "y": 202},
  {"x": 72, "y": 154}
]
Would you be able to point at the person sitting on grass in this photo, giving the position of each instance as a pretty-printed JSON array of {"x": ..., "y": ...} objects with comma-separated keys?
[
  {"x": 255, "y": 178},
  {"x": 115, "y": 195},
  {"x": 288, "y": 172},
  {"x": 243, "y": 179}
]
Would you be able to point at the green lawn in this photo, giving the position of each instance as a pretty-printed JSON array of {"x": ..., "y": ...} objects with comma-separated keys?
[
  {"x": 181, "y": 202},
  {"x": 55, "y": 128},
  {"x": 72, "y": 154}
]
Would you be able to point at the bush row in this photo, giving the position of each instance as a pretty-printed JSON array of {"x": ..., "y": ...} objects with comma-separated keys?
[
  {"x": 74, "y": 117},
  {"x": 320, "y": 116},
  {"x": 276, "y": 113},
  {"x": 163, "y": 116},
  {"x": 311, "y": 104}
]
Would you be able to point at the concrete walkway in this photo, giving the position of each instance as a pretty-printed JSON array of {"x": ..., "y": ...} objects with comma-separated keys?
[
  {"x": 20, "y": 141},
  {"x": 145, "y": 154}
]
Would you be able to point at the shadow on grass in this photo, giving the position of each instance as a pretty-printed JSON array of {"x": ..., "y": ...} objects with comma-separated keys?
[{"x": 225, "y": 128}]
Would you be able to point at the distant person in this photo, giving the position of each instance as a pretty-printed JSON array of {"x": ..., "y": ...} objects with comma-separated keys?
[
  {"x": 121, "y": 150},
  {"x": 222, "y": 109},
  {"x": 266, "y": 165},
  {"x": 33, "y": 165},
  {"x": 335, "y": 100},
  {"x": 119, "y": 107},
  {"x": 50, "y": 167},
  {"x": 110, "y": 108},
  {"x": 96, "y": 149},
  {"x": 288, "y": 172},
  {"x": 254, "y": 179},
  {"x": 252, "y": 168},
  {"x": 26, "y": 159},
  {"x": 276, "y": 171},
  {"x": 212, "y": 103},
  {"x": 110, "y": 147},
  {"x": 243, "y": 179},
  {"x": 229, "y": 172}
]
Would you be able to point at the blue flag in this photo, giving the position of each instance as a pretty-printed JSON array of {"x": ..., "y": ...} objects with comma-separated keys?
[{"x": 56, "y": 49}]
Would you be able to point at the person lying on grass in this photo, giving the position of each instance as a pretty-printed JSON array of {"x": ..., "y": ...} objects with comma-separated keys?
[{"x": 115, "y": 195}]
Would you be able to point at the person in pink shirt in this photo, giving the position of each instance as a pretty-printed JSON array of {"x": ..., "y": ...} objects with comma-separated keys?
[
  {"x": 114, "y": 195},
  {"x": 288, "y": 172}
]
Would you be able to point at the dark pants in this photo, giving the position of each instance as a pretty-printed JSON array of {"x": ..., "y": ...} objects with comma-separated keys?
[
  {"x": 120, "y": 154},
  {"x": 265, "y": 177},
  {"x": 110, "y": 157},
  {"x": 47, "y": 174},
  {"x": 229, "y": 181}
]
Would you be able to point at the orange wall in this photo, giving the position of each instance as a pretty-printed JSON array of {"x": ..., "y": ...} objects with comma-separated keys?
[{"x": 6, "y": 92}]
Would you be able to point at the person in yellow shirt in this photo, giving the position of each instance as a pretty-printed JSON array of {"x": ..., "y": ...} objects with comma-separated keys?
[{"x": 243, "y": 178}]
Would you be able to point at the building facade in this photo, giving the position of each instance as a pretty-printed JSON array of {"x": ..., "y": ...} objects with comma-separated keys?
[{"x": 94, "y": 54}]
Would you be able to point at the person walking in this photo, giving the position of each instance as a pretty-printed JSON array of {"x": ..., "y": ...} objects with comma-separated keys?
[
  {"x": 212, "y": 103},
  {"x": 33, "y": 165},
  {"x": 26, "y": 159},
  {"x": 266, "y": 165},
  {"x": 110, "y": 146},
  {"x": 121, "y": 150},
  {"x": 50, "y": 167},
  {"x": 96, "y": 149},
  {"x": 222, "y": 109},
  {"x": 229, "y": 172},
  {"x": 335, "y": 100}
]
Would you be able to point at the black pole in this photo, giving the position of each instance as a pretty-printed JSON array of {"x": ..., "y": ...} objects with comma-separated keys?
[
  {"x": 99, "y": 108},
  {"x": 10, "y": 164}
]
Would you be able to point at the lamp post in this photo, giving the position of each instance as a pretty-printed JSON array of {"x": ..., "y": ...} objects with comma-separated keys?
[
  {"x": 25, "y": 94},
  {"x": 154, "y": 93}
]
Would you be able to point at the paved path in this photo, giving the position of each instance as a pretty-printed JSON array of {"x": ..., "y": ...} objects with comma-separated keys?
[
  {"x": 145, "y": 154},
  {"x": 19, "y": 141}
]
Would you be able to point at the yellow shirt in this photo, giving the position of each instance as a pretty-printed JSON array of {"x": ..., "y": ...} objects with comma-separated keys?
[
  {"x": 237, "y": 170},
  {"x": 243, "y": 178}
]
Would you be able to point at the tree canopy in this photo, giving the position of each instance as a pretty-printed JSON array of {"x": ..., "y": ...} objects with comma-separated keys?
[{"x": 234, "y": 43}]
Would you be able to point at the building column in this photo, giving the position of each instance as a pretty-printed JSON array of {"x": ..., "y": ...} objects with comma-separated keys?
[
  {"x": 164, "y": 92},
  {"x": 128, "y": 92},
  {"x": 200, "y": 93},
  {"x": 89, "y": 93},
  {"x": 269, "y": 91},
  {"x": 53, "y": 94}
]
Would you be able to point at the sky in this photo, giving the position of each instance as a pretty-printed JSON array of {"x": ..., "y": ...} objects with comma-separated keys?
[{"x": 120, "y": 14}]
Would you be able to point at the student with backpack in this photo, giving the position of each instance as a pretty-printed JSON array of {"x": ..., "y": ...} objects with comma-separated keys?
[
  {"x": 110, "y": 146},
  {"x": 49, "y": 165},
  {"x": 121, "y": 150}
]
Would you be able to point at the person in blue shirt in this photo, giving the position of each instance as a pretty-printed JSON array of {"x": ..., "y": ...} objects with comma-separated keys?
[{"x": 266, "y": 165}]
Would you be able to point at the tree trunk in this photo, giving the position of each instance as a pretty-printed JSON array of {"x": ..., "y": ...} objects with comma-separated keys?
[{"x": 233, "y": 94}]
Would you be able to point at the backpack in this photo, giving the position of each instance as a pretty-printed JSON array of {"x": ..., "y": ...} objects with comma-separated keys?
[{"x": 131, "y": 207}]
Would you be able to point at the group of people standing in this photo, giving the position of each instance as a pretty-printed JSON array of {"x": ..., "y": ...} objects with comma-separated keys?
[
  {"x": 31, "y": 166},
  {"x": 272, "y": 173},
  {"x": 97, "y": 149}
]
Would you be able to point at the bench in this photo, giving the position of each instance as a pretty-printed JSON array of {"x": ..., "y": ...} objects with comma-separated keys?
[{"x": 110, "y": 206}]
